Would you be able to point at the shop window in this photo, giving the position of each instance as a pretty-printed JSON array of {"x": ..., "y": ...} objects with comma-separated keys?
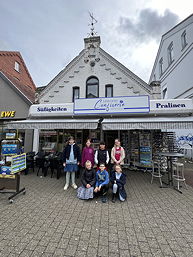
[
  {"x": 75, "y": 93},
  {"x": 160, "y": 67},
  {"x": 170, "y": 53},
  {"x": 109, "y": 91},
  {"x": 17, "y": 66},
  {"x": 92, "y": 87},
  {"x": 183, "y": 40}
]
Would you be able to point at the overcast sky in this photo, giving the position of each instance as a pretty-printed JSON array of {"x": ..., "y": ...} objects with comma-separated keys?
[{"x": 50, "y": 33}]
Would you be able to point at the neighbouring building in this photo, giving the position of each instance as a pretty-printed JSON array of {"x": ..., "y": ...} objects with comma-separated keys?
[
  {"x": 173, "y": 69},
  {"x": 174, "y": 60},
  {"x": 17, "y": 93}
]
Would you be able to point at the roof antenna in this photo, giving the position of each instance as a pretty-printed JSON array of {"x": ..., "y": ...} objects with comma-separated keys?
[{"x": 92, "y": 23}]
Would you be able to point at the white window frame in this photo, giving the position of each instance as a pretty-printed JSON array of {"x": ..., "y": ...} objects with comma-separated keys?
[
  {"x": 183, "y": 39},
  {"x": 170, "y": 53},
  {"x": 17, "y": 66},
  {"x": 74, "y": 89},
  {"x": 161, "y": 66},
  {"x": 164, "y": 92}
]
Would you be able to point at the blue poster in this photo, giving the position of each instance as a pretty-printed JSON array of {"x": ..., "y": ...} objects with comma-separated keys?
[{"x": 9, "y": 149}]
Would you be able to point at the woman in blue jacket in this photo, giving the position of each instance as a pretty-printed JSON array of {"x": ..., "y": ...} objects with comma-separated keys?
[{"x": 118, "y": 180}]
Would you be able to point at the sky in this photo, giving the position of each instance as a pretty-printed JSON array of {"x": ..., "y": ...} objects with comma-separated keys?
[{"x": 50, "y": 33}]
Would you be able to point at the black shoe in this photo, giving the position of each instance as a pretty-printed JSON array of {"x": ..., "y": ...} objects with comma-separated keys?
[
  {"x": 114, "y": 198},
  {"x": 104, "y": 199}
]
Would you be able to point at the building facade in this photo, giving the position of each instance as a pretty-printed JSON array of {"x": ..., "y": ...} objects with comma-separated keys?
[
  {"x": 173, "y": 68},
  {"x": 17, "y": 93},
  {"x": 174, "y": 60}
]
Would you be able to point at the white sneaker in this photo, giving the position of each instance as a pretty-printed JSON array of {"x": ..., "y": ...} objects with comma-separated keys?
[
  {"x": 74, "y": 186},
  {"x": 66, "y": 187}
]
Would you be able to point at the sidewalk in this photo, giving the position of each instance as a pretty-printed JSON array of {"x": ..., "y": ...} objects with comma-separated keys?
[{"x": 47, "y": 221}]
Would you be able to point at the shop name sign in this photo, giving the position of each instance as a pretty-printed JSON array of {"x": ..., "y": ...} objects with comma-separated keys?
[
  {"x": 112, "y": 105},
  {"x": 7, "y": 114},
  {"x": 171, "y": 106},
  {"x": 47, "y": 110}
]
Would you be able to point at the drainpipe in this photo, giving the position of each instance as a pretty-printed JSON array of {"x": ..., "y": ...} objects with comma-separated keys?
[{"x": 101, "y": 129}]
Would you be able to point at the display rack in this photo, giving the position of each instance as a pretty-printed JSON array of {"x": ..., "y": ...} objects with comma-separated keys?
[
  {"x": 125, "y": 144},
  {"x": 11, "y": 164}
]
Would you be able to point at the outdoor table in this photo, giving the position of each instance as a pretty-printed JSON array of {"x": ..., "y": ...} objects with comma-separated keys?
[{"x": 170, "y": 156}]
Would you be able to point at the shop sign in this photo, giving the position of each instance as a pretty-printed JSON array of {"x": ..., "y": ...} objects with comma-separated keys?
[
  {"x": 112, "y": 105},
  {"x": 47, "y": 110},
  {"x": 171, "y": 106},
  {"x": 7, "y": 114}
]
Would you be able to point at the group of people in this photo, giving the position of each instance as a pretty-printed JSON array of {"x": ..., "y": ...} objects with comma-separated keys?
[{"x": 95, "y": 182}]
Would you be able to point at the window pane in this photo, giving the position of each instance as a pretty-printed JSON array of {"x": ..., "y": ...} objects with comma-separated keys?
[
  {"x": 92, "y": 81},
  {"x": 170, "y": 53},
  {"x": 183, "y": 39},
  {"x": 75, "y": 93},
  {"x": 92, "y": 91},
  {"x": 109, "y": 91},
  {"x": 161, "y": 66},
  {"x": 17, "y": 66},
  {"x": 164, "y": 93}
]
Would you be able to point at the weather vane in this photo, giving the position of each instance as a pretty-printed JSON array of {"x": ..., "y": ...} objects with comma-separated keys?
[{"x": 92, "y": 23}]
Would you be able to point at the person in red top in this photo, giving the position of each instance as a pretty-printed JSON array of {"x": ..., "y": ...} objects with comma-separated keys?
[{"x": 117, "y": 154}]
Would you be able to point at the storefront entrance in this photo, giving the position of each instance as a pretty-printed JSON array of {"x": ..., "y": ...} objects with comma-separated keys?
[{"x": 109, "y": 138}]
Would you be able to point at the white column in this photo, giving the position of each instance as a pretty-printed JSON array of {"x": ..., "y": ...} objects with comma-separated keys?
[{"x": 36, "y": 140}]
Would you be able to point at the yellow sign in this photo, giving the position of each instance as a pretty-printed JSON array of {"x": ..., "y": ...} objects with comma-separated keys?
[{"x": 7, "y": 114}]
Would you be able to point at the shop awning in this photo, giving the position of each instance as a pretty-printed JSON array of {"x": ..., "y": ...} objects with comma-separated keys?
[
  {"x": 148, "y": 123},
  {"x": 54, "y": 124}
]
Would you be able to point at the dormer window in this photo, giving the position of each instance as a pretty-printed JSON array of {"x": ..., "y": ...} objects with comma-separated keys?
[
  {"x": 170, "y": 53},
  {"x": 17, "y": 66},
  {"x": 183, "y": 40}
]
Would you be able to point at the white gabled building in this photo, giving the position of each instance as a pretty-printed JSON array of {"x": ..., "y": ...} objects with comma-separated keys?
[
  {"x": 94, "y": 73},
  {"x": 174, "y": 61}
]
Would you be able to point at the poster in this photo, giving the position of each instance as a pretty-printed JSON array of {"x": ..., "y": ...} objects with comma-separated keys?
[
  {"x": 5, "y": 172},
  {"x": 7, "y": 149},
  {"x": 18, "y": 163}
]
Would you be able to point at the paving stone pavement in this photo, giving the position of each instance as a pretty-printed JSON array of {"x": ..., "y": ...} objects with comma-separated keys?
[{"x": 48, "y": 221}]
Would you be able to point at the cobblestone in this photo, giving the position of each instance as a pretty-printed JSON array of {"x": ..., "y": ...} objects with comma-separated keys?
[{"x": 153, "y": 222}]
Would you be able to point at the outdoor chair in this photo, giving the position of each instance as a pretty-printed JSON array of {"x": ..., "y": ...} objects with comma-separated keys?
[
  {"x": 178, "y": 174},
  {"x": 40, "y": 164},
  {"x": 156, "y": 172}
]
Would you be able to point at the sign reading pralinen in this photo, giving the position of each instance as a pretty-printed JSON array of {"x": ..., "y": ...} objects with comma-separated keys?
[{"x": 112, "y": 105}]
